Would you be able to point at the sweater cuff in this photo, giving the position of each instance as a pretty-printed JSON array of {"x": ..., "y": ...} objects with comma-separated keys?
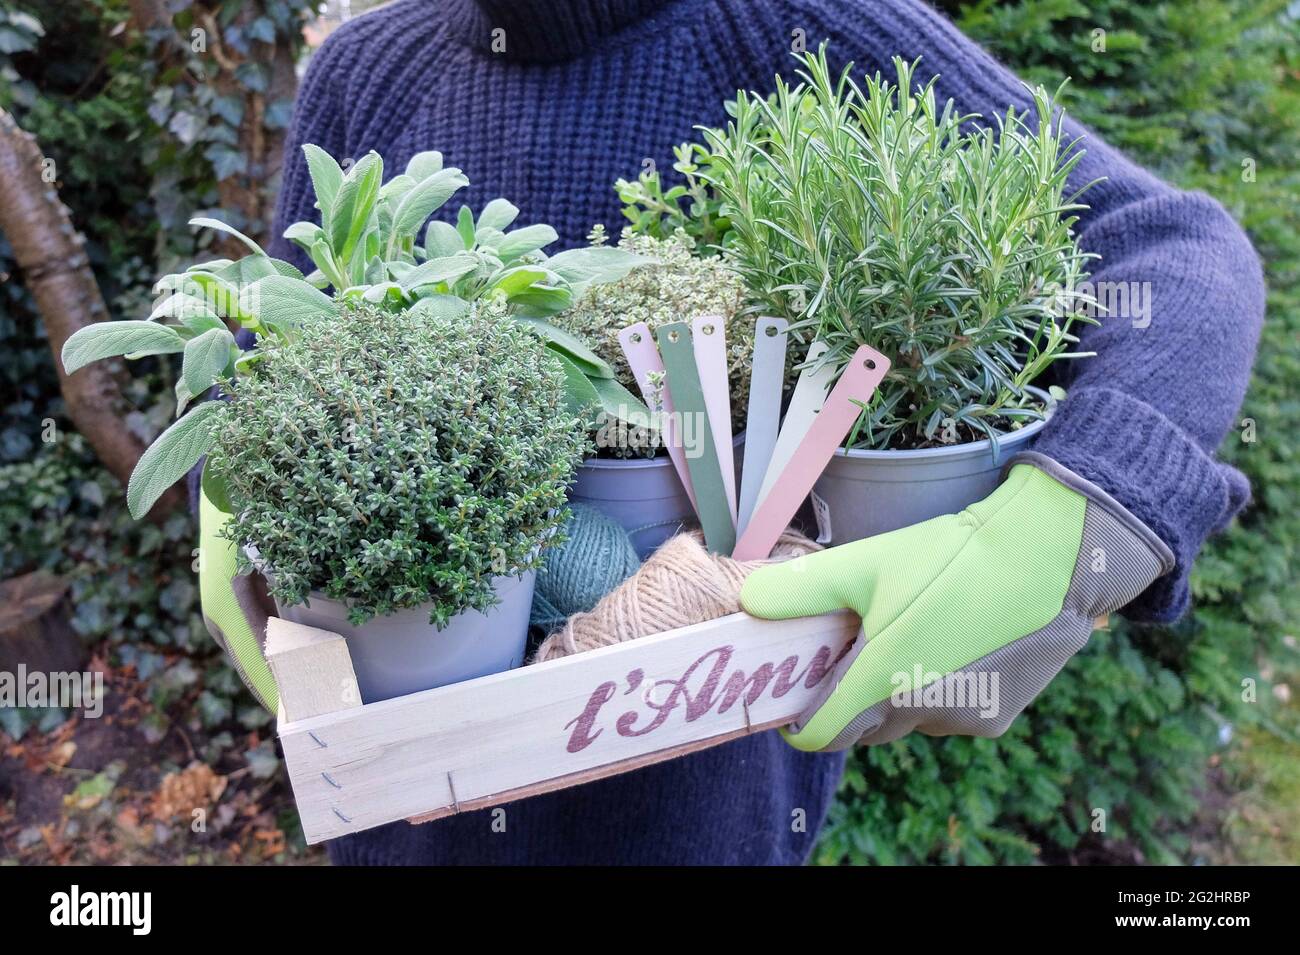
[{"x": 1157, "y": 471}]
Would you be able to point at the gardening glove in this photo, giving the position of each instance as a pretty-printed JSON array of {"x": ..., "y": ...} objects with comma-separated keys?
[
  {"x": 980, "y": 608},
  {"x": 235, "y": 607}
]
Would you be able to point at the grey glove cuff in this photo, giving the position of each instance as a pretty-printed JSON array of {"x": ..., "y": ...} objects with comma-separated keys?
[
  {"x": 1119, "y": 555},
  {"x": 1099, "y": 496}
]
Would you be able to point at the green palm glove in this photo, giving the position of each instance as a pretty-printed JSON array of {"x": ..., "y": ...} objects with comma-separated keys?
[
  {"x": 235, "y": 608},
  {"x": 966, "y": 617}
]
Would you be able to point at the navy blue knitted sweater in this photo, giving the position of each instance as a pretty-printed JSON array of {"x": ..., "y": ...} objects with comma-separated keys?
[{"x": 583, "y": 92}]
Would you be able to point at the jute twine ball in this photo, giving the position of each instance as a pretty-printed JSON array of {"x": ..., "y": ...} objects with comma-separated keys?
[{"x": 679, "y": 584}]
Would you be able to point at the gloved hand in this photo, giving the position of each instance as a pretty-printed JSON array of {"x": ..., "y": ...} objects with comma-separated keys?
[
  {"x": 980, "y": 608},
  {"x": 235, "y": 608}
]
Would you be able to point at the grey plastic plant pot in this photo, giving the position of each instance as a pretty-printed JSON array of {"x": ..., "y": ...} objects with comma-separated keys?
[
  {"x": 404, "y": 653},
  {"x": 873, "y": 492},
  {"x": 643, "y": 495}
]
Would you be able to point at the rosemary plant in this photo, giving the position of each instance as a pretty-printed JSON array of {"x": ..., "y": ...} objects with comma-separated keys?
[
  {"x": 872, "y": 215},
  {"x": 397, "y": 459}
]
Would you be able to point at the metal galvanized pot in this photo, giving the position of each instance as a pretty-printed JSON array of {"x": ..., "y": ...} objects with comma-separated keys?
[
  {"x": 404, "y": 653},
  {"x": 872, "y": 492},
  {"x": 644, "y": 495}
]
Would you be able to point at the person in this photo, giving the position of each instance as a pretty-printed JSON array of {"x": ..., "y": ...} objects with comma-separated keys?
[{"x": 547, "y": 103}]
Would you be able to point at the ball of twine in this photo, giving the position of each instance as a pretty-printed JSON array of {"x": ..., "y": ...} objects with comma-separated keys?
[
  {"x": 596, "y": 557},
  {"x": 679, "y": 584}
]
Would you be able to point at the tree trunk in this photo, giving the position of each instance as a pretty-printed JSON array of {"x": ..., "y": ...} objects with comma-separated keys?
[
  {"x": 56, "y": 271},
  {"x": 35, "y": 626}
]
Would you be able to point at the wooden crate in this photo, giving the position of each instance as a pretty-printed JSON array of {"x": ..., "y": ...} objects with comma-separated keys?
[{"x": 541, "y": 728}]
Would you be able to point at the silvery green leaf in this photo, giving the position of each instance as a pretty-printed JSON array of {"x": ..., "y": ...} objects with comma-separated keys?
[
  {"x": 618, "y": 402},
  {"x": 352, "y": 205},
  {"x": 539, "y": 301},
  {"x": 423, "y": 165},
  {"x": 515, "y": 280},
  {"x": 206, "y": 358},
  {"x": 285, "y": 268},
  {"x": 219, "y": 226},
  {"x": 281, "y": 301},
  {"x": 486, "y": 237},
  {"x": 525, "y": 240},
  {"x": 465, "y": 226},
  {"x": 170, "y": 457},
  {"x": 396, "y": 187},
  {"x": 446, "y": 269},
  {"x": 498, "y": 214},
  {"x": 439, "y": 305},
  {"x": 304, "y": 234},
  {"x": 111, "y": 339},
  {"x": 183, "y": 397},
  {"x": 323, "y": 258},
  {"x": 216, "y": 491},
  {"x": 441, "y": 239},
  {"x": 212, "y": 265},
  {"x": 221, "y": 297},
  {"x": 183, "y": 307},
  {"x": 384, "y": 293},
  {"x": 326, "y": 177},
  {"x": 580, "y": 395},
  {"x": 595, "y": 264},
  {"x": 572, "y": 346},
  {"x": 424, "y": 198}
]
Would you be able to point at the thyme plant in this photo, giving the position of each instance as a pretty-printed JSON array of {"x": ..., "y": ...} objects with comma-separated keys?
[
  {"x": 872, "y": 215},
  {"x": 397, "y": 459}
]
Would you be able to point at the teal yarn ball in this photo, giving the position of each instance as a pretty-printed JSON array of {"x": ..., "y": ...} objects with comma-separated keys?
[{"x": 596, "y": 558}]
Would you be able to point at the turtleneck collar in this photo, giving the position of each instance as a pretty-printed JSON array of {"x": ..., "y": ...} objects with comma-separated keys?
[{"x": 542, "y": 30}]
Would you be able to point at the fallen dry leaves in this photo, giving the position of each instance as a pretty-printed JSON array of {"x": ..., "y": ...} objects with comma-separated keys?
[{"x": 180, "y": 793}]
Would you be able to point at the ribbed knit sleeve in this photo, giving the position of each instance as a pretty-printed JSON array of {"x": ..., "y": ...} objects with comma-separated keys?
[{"x": 1142, "y": 418}]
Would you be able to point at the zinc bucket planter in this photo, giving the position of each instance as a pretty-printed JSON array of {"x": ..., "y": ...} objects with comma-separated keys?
[
  {"x": 873, "y": 492},
  {"x": 643, "y": 495},
  {"x": 403, "y": 653}
]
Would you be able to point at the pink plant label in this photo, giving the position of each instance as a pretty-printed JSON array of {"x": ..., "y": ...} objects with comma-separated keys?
[
  {"x": 708, "y": 686},
  {"x": 647, "y": 366},
  {"x": 858, "y": 381}
]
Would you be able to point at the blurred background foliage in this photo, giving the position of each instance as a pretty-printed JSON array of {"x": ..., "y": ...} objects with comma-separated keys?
[{"x": 1148, "y": 726}]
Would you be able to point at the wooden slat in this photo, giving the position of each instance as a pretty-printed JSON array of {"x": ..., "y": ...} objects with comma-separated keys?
[
  {"x": 557, "y": 724},
  {"x": 312, "y": 669}
]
